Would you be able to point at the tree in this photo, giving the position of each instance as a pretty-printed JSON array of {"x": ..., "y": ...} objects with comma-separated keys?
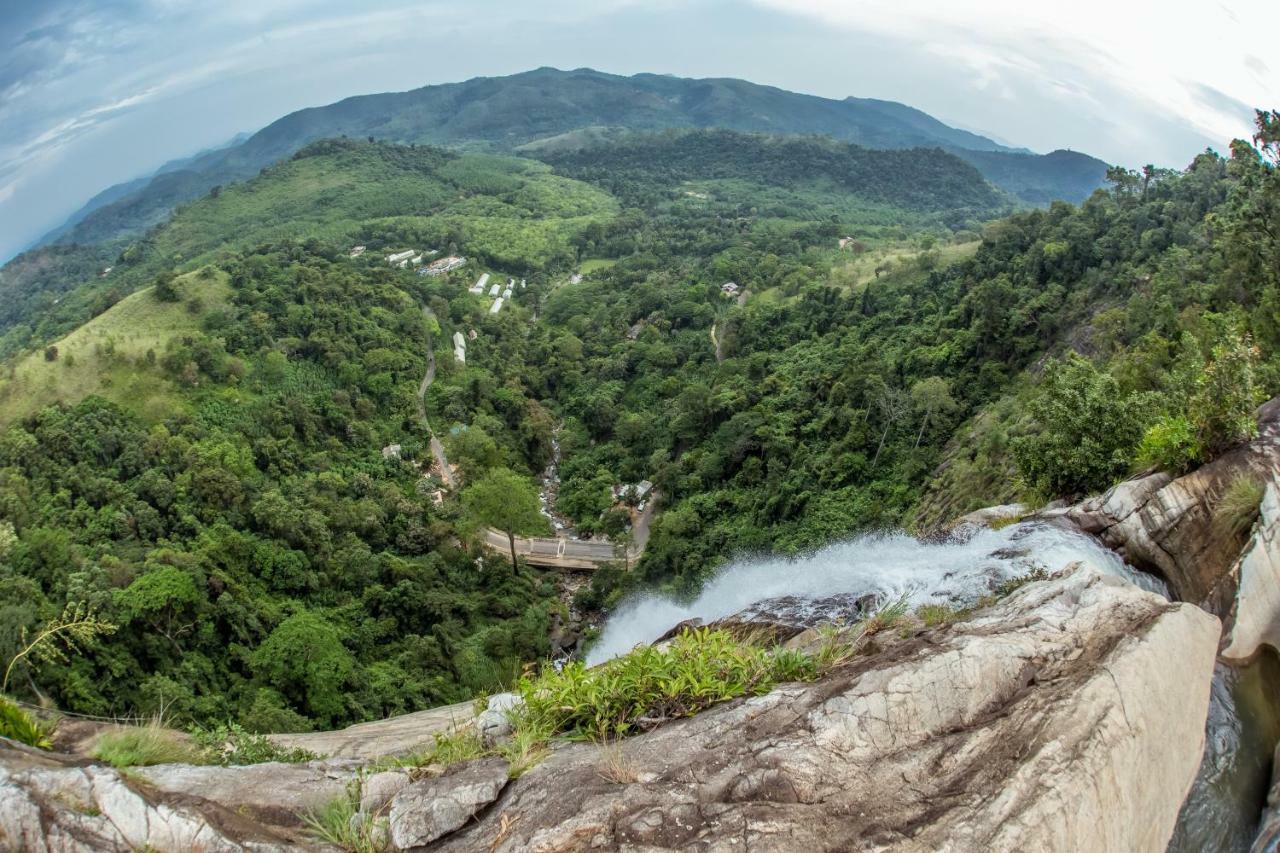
[
  {"x": 1088, "y": 431},
  {"x": 166, "y": 289},
  {"x": 165, "y": 598},
  {"x": 304, "y": 657},
  {"x": 931, "y": 396},
  {"x": 504, "y": 500},
  {"x": 50, "y": 353},
  {"x": 1225, "y": 397}
]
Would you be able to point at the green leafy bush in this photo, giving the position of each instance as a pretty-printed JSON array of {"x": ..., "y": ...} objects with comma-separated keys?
[
  {"x": 1226, "y": 395},
  {"x": 17, "y": 724},
  {"x": 1171, "y": 445},
  {"x": 1089, "y": 431},
  {"x": 231, "y": 744}
]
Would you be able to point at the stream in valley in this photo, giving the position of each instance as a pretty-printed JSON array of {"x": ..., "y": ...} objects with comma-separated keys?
[{"x": 1221, "y": 811}]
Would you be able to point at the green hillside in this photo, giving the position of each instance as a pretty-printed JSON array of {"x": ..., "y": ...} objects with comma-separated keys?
[
  {"x": 504, "y": 113},
  {"x": 116, "y": 354}
]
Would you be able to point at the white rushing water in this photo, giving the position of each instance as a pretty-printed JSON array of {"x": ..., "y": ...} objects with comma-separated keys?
[{"x": 888, "y": 565}]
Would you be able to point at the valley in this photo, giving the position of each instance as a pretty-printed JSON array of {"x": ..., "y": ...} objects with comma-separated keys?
[{"x": 730, "y": 472}]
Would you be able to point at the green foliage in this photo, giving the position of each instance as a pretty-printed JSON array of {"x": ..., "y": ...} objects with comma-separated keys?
[
  {"x": 231, "y": 744},
  {"x": 341, "y": 824},
  {"x": 1171, "y": 445},
  {"x": 649, "y": 685},
  {"x": 506, "y": 501},
  {"x": 1225, "y": 397},
  {"x": 1090, "y": 430},
  {"x": 53, "y": 643},
  {"x": 305, "y": 658},
  {"x": 17, "y": 724},
  {"x": 1238, "y": 506},
  {"x": 934, "y": 615},
  {"x": 143, "y": 746}
]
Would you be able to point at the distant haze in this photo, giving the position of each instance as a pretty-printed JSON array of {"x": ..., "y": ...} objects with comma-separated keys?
[{"x": 92, "y": 94}]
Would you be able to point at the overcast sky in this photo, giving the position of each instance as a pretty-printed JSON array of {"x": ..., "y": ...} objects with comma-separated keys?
[{"x": 93, "y": 93}]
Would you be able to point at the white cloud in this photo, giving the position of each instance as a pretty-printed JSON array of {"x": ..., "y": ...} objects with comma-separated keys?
[{"x": 1146, "y": 49}]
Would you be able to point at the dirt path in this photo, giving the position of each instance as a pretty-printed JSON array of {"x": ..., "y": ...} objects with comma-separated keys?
[
  {"x": 716, "y": 343},
  {"x": 437, "y": 449}
]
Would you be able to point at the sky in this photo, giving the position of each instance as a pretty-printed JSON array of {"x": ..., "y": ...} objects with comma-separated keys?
[{"x": 95, "y": 93}]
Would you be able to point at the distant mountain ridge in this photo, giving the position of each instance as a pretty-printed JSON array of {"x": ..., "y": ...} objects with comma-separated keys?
[{"x": 503, "y": 113}]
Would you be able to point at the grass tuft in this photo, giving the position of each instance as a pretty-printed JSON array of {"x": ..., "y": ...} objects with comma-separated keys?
[
  {"x": 933, "y": 615},
  {"x": 142, "y": 746},
  {"x": 340, "y": 823},
  {"x": 1235, "y": 512}
]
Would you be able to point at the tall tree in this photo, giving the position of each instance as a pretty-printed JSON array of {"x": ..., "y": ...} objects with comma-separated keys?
[{"x": 504, "y": 500}]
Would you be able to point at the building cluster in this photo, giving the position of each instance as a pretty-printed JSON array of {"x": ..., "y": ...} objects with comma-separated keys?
[
  {"x": 403, "y": 259},
  {"x": 442, "y": 266}
]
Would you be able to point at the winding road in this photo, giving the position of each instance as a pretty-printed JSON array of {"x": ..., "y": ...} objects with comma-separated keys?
[{"x": 559, "y": 552}]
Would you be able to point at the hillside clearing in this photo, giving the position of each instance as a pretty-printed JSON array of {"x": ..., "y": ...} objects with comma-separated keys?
[{"x": 107, "y": 356}]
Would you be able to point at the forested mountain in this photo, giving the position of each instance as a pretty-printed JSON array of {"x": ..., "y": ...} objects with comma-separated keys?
[
  {"x": 229, "y": 464},
  {"x": 502, "y": 113}
]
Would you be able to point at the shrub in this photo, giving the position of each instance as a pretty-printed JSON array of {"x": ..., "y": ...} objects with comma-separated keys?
[
  {"x": 1171, "y": 445},
  {"x": 231, "y": 744},
  {"x": 142, "y": 746},
  {"x": 1088, "y": 431},
  {"x": 1223, "y": 403},
  {"x": 17, "y": 724}
]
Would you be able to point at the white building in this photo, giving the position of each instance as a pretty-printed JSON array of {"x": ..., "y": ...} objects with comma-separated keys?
[
  {"x": 506, "y": 294},
  {"x": 443, "y": 265},
  {"x": 497, "y": 306},
  {"x": 479, "y": 286},
  {"x": 576, "y": 278},
  {"x": 459, "y": 347},
  {"x": 730, "y": 288},
  {"x": 522, "y": 284},
  {"x": 401, "y": 258},
  {"x": 495, "y": 290}
]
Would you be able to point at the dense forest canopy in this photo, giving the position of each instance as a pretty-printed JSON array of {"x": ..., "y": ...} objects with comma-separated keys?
[{"x": 267, "y": 553}]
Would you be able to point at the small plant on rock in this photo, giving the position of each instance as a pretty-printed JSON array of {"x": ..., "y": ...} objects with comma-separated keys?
[
  {"x": 17, "y": 724},
  {"x": 1237, "y": 508}
]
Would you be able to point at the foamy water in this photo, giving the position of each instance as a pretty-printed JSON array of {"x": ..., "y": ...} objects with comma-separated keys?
[{"x": 889, "y": 565}]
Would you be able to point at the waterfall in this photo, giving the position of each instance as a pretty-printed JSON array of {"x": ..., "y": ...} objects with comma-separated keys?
[{"x": 888, "y": 565}]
